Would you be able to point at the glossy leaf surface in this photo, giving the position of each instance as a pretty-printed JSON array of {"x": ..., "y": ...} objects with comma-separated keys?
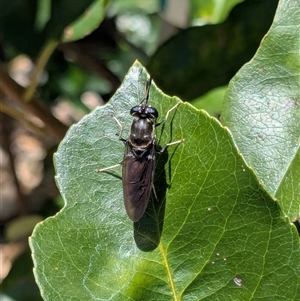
[
  {"x": 262, "y": 109},
  {"x": 214, "y": 221}
]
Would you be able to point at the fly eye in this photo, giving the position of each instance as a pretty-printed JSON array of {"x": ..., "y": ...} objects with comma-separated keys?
[
  {"x": 135, "y": 111},
  {"x": 152, "y": 112}
]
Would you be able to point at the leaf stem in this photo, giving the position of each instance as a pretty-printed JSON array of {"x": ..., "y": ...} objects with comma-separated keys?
[{"x": 47, "y": 51}]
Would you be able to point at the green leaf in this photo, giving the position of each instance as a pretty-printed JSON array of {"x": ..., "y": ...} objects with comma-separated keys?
[
  {"x": 43, "y": 13},
  {"x": 43, "y": 20},
  {"x": 212, "y": 11},
  {"x": 121, "y": 7},
  {"x": 214, "y": 223},
  {"x": 63, "y": 13},
  {"x": 86, "y": 23},
  {"x": 262, "y": 109},
  {"x": 211, "y": 102},
  {"x": 208, "y": 56}
]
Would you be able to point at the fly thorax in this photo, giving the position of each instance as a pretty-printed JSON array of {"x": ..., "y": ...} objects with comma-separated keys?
[
  {"x": 142, "y": 132},
  {"x": 140, "y": 152}
]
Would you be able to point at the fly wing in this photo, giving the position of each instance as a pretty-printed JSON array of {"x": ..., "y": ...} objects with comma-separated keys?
[{"x": 137, "y": 182}]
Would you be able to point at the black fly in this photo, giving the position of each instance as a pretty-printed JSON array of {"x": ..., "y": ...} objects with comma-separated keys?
[{"x": 139, "y": 157}]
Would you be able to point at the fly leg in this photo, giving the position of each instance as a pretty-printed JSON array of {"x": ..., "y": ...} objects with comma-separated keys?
[
  {"x": 161, "y": 151},
  {"x": 107, "y": 168},
  {"x": 167, "y": 115},
  {"x": 154, "y": 192},
  {"x": 171, "y": 143},
  {"x": 120, "y": 138},
  {"x": 163, "y": 121},
  {"x": 121, "y": 128}
]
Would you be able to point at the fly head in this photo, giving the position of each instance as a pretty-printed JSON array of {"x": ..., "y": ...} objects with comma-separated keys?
[{"x": 144, "y": 111}]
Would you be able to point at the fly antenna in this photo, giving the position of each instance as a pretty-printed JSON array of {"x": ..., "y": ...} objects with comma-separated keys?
[{"x": 148, "y": 85}]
